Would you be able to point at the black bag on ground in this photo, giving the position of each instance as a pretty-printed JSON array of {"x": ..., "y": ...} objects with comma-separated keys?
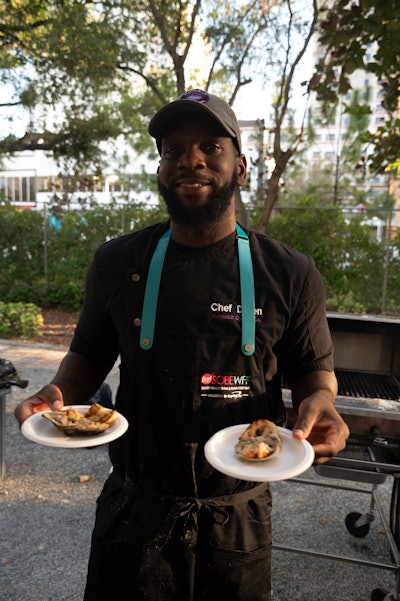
[{"x": 9, "y": 375}]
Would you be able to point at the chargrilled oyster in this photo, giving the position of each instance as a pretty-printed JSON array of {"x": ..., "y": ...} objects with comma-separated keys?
[
  {"x": 74, "y": 423},
  {"x": 260, "y": 441}
]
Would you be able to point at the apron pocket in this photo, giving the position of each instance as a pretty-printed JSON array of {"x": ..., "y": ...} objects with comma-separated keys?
[
  {"x": 237, "y": 576},
  {"x": 235, "y": 561}
]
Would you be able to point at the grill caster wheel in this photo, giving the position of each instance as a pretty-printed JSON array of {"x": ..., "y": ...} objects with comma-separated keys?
[
  {"x": 358, "y": 527},
  {"x": 380, "y": 594}
]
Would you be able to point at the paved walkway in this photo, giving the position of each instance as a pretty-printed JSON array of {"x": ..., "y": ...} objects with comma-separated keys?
[
  {"x": 26, "y": 355},
  {"x": 38, "y": 362}
]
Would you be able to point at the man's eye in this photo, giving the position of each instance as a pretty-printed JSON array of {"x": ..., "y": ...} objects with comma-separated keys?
[
  {"x": 170, "y": 153},
  {"x": 212, "y": 148}
]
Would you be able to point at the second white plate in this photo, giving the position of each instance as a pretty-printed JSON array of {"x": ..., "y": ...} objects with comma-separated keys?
[{"x": 295, "y": 457}]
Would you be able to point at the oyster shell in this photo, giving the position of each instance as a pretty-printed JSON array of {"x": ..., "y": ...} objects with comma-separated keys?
[
  {"x": 74, "y": 423},
  {"x": 259, "y": 442}
]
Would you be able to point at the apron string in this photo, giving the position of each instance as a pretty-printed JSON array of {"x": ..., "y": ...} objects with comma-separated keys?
[
  {"x": 151, "y": 292},
  {"x": 187, "y": 508},
  {"x": 233, "y": 498},
  {"x": 247, "y": 292}
]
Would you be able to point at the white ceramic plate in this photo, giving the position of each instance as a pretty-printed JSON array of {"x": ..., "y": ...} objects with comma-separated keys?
[
  {"x": 38, "y": 429},
  {"x": 295, "y": 457}
]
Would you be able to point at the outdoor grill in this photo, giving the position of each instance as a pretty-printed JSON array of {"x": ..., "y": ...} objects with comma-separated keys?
[
  {"x": 367, "y": 356},
  {"x": 367, "y": 366},
  {"x": 364, "y": 385}
]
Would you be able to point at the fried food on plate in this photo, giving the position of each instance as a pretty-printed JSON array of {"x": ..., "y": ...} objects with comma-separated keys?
[
  {"x": 73, "y": 423},
  {"x": 260, "y": 441}
]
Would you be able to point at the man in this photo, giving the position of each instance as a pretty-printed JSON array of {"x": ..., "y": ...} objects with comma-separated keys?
[{"x": 205, "y": 318}]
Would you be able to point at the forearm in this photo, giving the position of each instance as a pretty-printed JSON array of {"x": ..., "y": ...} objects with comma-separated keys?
[
  {"x": 78, "y": 378},
  {"x": 318, "y": 420},
  {"x": 322, "y": 384}
]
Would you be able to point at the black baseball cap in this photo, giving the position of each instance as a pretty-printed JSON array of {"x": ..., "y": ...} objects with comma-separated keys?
[{"x": 195, "y": 101}]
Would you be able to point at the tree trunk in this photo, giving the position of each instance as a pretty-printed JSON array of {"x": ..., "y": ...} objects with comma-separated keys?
[
  {"x": 271, "y": 199},
  {"x": 241, "y": 215}
]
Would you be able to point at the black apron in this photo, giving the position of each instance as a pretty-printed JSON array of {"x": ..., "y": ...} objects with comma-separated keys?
[
  {"x": 173, "y": 528},
  {"x": 180, "y": 549}
]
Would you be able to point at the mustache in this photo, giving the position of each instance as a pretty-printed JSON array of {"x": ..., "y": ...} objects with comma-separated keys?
[{"x": 192, "y": 175}]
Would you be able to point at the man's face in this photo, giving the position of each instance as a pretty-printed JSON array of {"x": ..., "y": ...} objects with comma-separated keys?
[{"x": 199, "y": 171}]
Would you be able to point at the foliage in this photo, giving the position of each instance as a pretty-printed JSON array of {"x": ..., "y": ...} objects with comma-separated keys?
[
  {"x": 393, "y": 280},
  {"x": 345, "y": 251},
  {"x": 40, "y": 59},
  {"x": 131, "y": 59},
  {"x": 351, "y": 31},
  {"x": 134, "y": 57},
  {"x": 47, "y": 265},
  {"x": 20, "y": 319},
  {"x": 353, "y": 263},
  {"x": 21, "y": 246},
  {"x": 347, "y": 166}
]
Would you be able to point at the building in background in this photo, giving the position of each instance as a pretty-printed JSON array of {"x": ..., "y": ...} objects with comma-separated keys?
[
  {"x": 332, "y": 137},
  {"x": 32, "y": 180}
]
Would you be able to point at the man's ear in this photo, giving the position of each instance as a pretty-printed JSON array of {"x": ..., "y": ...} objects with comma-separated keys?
[{"x": 241, "y": 169}]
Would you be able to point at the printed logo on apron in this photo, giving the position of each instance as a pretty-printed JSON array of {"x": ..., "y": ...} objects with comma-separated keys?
[{"x": 222, "y": 386}]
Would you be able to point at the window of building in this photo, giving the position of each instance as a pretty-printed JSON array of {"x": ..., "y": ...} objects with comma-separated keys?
[{"x": 18, "y": 188}]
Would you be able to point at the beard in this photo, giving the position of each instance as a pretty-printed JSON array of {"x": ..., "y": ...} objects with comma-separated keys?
[{"x": 217, "y": 205}]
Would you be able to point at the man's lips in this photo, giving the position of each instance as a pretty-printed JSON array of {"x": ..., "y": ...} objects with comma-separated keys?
[{"x": 191, "y": 183}]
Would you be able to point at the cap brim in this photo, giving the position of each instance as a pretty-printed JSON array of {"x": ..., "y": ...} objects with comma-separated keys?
[{"x": 170, "y": 113}]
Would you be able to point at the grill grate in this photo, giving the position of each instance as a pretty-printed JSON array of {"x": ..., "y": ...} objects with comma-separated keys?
[{"x": 366, "y": 385}]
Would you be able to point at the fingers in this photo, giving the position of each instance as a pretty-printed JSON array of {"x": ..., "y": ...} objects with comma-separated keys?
[
  {"x": 307, "y": 417},
  {"x": 323, "y": 427},
  {"x": 49, "y": 397},
  {"x": 52, "y": 396}
]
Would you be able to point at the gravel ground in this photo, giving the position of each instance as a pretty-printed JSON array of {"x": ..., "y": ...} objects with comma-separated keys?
[{"x": 47, "y": 514}]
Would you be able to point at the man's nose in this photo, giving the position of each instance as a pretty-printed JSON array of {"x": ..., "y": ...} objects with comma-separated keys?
[{"x": 192, "y": 158}]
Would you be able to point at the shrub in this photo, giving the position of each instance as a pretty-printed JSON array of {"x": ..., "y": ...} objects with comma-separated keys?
[{"x": 20, "y": 319}]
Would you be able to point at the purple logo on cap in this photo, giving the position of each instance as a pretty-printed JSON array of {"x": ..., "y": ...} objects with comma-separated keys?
[{"x": 197, "y": 95}]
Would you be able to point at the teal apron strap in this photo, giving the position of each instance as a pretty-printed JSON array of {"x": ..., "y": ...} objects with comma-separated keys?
[
  {"x": 246, "y": 290},
  {"x": 151, "y": 292}
]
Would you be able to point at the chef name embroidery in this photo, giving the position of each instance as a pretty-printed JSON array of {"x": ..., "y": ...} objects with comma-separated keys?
[{"x": 231, "y": 311}]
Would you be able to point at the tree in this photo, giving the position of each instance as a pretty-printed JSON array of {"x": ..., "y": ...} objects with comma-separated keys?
[
  {"x": 283, "y": 121},
  {"x": 350, "y": 30},
  {"x": 85, "y": 72},
  {"x": 107, "y": 67},
  {"x": 347, "y": 147},
  {"x": 59, "y": 56}
]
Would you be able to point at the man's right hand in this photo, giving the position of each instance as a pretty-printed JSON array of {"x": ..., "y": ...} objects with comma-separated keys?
[{"x": 49, "y": 397}]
